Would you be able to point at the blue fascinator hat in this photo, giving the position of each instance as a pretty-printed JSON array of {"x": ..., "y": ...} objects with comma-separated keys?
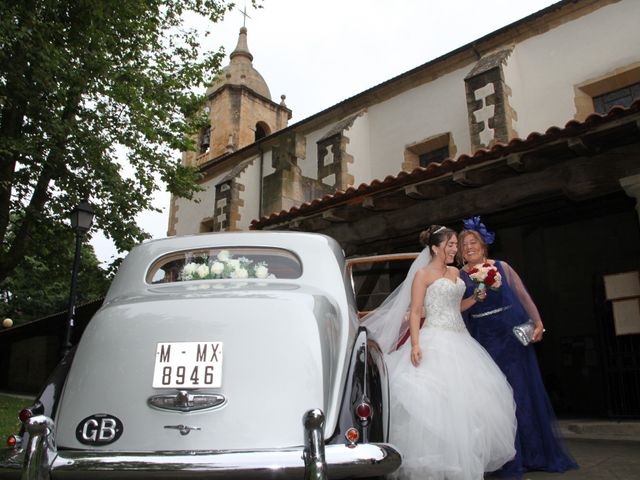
[{"x": 474, "y": 223}]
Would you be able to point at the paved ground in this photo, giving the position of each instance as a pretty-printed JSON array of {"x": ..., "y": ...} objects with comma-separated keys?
[
  {"x": 599, "y": 460},
  {"x": 604, "y": 449}
]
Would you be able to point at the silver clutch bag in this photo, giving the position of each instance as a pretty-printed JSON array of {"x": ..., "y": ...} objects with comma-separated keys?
[{"x": 524, "y": 332}]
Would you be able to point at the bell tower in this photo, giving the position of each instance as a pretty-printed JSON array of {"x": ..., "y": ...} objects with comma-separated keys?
[{"x": 240, "y": 109}]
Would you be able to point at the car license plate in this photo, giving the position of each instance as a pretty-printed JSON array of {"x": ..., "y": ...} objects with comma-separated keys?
[{"x": 188, "y": 365}]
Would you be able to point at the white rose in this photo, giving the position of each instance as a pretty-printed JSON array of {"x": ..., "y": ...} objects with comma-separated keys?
[
  {"x": 235, "y": 264},
  {"x": 262, "y": 271},
  {"x": 189, "y": 269},
  {"x": 224, "y": 255},
  {"x": 217, "y": 268},
  {"x": 241, "y": 273},
  {"x": 202, "y": 271}
]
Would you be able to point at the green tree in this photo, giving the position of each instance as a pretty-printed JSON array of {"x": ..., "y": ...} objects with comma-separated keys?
[
  {"x": 81, "y": 82},
  {"x": 40, "y": 284}
]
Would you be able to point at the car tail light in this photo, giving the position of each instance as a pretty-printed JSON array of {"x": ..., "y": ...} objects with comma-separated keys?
[
  {"x": 352, "y": 435},
  {"x": 14, "y": 441},
  {"x": 25, "y": 414},
  {"x": 363, "y": 411}
]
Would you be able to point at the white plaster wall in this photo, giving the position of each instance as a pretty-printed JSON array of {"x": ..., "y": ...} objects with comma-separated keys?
[
  {"x": 378, "y": 138},
  {"x": 267, "y": 168},
  {"x": 359, "y": 148},
  {"x": 190, "y": 213},
  {"x": 436, "y": 107},
  {"x": 544, "y": 69},
  {"x": 541, "y": 72},
  {"x": 513, "y": 80},
  {"x": 250, "y": 178},
  {"x": 309, "y": 165}
]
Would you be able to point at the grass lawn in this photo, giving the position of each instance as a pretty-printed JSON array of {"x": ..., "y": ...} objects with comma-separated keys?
[{"x": 9, "y": 409}]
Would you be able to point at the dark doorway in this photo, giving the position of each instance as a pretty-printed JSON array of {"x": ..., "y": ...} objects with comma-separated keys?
[{"x": 562, "y": 250}]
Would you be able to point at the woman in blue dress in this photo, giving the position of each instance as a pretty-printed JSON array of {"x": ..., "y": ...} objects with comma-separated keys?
[{"x": 491, "y": 323}]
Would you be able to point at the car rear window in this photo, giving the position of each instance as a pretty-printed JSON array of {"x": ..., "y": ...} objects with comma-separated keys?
[{"x": 225, "y": 263}]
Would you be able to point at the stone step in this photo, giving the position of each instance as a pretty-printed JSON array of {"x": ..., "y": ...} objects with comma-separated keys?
[{"x": 600, "y": 429}]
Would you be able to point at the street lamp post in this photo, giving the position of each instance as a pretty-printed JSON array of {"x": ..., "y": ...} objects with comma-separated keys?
[{"x": 81, "y": 220}]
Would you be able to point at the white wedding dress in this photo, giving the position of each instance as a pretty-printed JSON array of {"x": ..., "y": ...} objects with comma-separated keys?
[{"x": 453, "y": 416}]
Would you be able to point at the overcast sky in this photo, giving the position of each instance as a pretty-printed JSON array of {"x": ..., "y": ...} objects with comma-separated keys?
[{"x": 321, "y": 52}]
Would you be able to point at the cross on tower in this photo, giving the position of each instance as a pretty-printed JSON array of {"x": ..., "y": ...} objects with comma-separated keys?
[{"x": 244, "y": 14}]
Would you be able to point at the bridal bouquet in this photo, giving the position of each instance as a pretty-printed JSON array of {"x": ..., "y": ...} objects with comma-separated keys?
[
  {"x": 486, "y": 275},
  {"x": 224, "y": 265}
]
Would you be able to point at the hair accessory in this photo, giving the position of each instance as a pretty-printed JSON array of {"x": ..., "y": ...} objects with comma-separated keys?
[
  {"x": 441, "y": 229},
  {"x": 474, "y": 223}
]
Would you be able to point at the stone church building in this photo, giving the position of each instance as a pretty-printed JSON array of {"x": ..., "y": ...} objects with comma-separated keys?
[
  {"x": 535, "y": 126},
  {"x": 539, "y": 72}
]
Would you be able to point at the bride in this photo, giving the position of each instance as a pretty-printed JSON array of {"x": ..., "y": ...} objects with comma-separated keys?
[{"x": 452, "y": 410}]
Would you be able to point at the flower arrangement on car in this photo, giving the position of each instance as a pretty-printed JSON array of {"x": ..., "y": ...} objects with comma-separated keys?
[
  {"x": 486, "y": 275},
  {"x": 224, "y": 265}
]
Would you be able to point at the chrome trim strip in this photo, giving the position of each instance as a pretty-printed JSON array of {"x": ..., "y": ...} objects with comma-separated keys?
[
  {"x": 363, "y": 460},
  {"x": 183, "y": 429},
  {"x": 183, "y": 401},
  {"x": 491, "y": 312},
  {"x": 315, "y": 466}
]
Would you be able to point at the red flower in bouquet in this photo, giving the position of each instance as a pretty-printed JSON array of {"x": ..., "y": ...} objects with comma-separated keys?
[{"x": 486, "y": 275}]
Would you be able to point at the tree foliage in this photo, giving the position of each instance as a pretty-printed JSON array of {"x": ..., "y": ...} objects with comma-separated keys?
[
  {"x": 40, "y": 284},
  {"x": 80, "y": 83}
]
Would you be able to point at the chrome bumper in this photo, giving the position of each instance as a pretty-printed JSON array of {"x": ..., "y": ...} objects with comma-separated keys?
[
  {"x": 41, "y": 461},
  {"x": 364, "y": 460}
]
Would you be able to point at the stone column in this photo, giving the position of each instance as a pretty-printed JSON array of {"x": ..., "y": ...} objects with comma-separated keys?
[
  {"x": 222, "y": 207},
  {"x": 333, "y": 162},
  {"x": 490, "y": 114},
  {"x": 283, "y": 189}
]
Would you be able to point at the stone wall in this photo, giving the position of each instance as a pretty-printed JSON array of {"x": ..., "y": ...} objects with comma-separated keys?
[{"x": 490, "y": 114}]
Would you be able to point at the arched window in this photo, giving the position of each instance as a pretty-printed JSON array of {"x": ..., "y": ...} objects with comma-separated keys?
[
  {"x": 262, "y": 130},
  {"x": 204, "y": 139}
]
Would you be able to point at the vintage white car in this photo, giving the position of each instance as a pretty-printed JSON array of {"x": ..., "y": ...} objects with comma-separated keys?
[{"x": 231, "y": 355}]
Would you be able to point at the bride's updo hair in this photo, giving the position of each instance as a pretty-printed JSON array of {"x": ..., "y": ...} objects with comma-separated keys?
[{"x": 435, "y": 235}]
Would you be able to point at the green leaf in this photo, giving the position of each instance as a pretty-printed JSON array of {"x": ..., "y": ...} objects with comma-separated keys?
[{"x": 81, "y": 83}]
